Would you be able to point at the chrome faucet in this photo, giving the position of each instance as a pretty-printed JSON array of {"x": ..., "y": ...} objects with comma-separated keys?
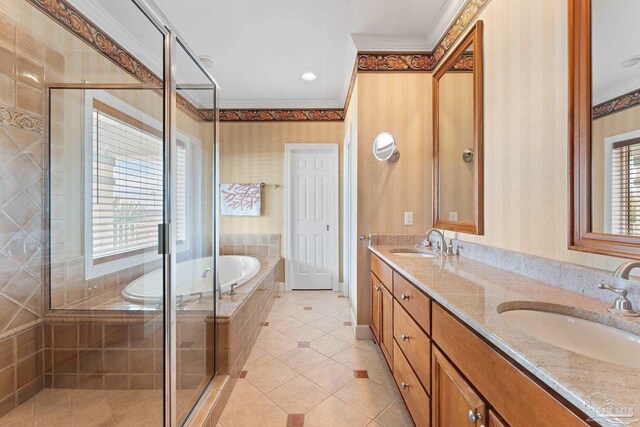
[
  {"x": 622, "y": 306},
  {"x": 204, "y": 276},
  {"x": 442, "y": 246},
  {"x": 232, "y": 291}
]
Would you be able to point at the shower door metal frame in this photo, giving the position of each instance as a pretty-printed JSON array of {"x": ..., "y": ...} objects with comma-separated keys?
[{"x": 171, "y": 39}]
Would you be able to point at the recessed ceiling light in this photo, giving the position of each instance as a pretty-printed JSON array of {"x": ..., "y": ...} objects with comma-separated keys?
[
  {"x": 207, "y": 61},
  {"x": 630, "y": 62},
  {"x": 309, "y": 77}
]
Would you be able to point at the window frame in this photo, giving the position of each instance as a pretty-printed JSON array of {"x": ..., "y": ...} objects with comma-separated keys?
[
  {"x": 609, "y": 145},
  {"x": 118, "y": 262}
]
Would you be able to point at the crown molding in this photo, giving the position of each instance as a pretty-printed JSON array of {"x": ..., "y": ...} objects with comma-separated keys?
[
  {"x": 448, "y": 14},
  {"x": 402, "y": 59},
  {"x": 616, "y": 91}
]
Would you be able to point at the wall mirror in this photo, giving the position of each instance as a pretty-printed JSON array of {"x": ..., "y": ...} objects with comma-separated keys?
[
  {"x": 385, "y": 147},
  {"x": 457, "y": 137},
  {"x": 604, "y": 139}
]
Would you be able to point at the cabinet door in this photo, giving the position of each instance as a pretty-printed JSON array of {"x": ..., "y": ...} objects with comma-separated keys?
[
  {"x": 376, "y": 289},
  {"x": 386, "y": 327},
  {"x": 454, "y": 401},
  {"x": 495, "y": 420}
]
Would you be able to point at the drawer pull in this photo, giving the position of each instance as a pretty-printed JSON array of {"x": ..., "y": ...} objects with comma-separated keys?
[
  {"x": 404, "y": 297},
  {"x": 473, "y": 416},
  {"x": 377, "y": 288},
  {"x": 404, "y": 386},
  {"x": 404, "y": 337}
]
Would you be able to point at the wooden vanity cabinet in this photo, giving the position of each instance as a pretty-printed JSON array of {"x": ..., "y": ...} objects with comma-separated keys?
[
  {"x": 455, "y": 403},
  {"x": 376, "y": 297},
  {"x": 448, "y": 375}
]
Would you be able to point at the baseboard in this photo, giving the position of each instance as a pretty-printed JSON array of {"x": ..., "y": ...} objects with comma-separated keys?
[
  {"x": 339, "y": 287},
  {"x": 282, "y": 286},
  {"x": 361, "y": 332}
]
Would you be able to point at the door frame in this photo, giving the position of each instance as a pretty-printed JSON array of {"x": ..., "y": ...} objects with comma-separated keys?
[{"x": 289, "y": 149}]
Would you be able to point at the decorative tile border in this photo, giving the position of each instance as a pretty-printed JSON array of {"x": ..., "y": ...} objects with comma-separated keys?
[
  {"x": 13, "y": 117},
  {"x": 463, "y": 64},
  {"x": 395, "y": 62},
  {"x": 620, "y": 103},
  {"x": 290, "y": 115}
]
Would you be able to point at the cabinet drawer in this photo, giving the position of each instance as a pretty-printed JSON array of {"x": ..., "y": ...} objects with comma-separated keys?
[
  {"x": 383, "y": 271},
  {"x": 415, "y": 302},
  {"x": 414, "y": 343},
  {"x": 414, "y": 395},
  {"x": 513, "y": 394}
]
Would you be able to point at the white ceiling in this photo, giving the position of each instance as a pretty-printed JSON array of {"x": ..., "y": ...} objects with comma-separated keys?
[
  {"x": 616, "y": 37},
  {"x": 261, "y": 48}
]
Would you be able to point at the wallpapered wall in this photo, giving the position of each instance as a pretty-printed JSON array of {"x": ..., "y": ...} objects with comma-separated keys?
[
  {"x": 254, "y": 152},
  {"x": 399, "y": 103},
  {"x": 526, "y": 132}
]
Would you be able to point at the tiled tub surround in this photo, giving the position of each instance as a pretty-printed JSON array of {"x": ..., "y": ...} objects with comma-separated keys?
[
  {"x": 255, "y": 245},
  {"x": 474, "y": 290}
]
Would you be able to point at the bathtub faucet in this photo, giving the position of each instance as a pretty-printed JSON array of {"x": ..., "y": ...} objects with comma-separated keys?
[
  {"x": 232, "y": 291},
  {"x": 206, "y": 271}
]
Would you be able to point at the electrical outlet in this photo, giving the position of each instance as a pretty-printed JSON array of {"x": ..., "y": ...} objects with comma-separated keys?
[
  {"x": 453, "y": 216},
  {"x": 408, "y": 218}
]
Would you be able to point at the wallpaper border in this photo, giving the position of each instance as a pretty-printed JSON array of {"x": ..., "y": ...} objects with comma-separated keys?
[{"x": 622, "y": 102}]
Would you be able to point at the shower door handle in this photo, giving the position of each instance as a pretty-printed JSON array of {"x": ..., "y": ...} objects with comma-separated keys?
[{"x": 163, "y": 242}]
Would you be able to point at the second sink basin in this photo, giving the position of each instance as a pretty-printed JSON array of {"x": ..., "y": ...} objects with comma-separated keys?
[
  {"x": 413, "y": 253},
  {"x": 582, "y": 336}
]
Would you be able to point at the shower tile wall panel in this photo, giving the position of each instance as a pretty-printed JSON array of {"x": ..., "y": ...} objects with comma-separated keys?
[
  {"x": 255, "y": 245},
  {"x": 21, "y": 367},
  {"x": 125, "y": 355}
]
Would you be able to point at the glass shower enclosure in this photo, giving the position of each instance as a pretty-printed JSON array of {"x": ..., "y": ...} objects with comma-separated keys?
[{"x": 130, "y": 198}]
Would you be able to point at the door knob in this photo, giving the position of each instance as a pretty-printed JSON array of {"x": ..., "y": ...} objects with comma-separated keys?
[{"x": 474, "y": 416}]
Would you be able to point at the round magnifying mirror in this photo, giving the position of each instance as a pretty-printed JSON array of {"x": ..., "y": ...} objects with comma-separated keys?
[{"x": 384, "y": 147}]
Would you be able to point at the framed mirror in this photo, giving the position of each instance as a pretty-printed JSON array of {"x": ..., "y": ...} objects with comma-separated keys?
[
  {"x": 604, "y": 127},
  {"x": 457, "y": 137}
]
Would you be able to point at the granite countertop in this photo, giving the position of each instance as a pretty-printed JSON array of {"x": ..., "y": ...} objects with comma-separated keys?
[{"x": 474, "y": 291}]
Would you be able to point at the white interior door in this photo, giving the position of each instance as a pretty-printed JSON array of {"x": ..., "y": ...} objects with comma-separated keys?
[{"x": 312, "y": 231}]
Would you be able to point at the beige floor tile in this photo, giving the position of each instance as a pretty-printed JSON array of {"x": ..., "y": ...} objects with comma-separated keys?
[
  {"x": 357, "y": 358},
  {"x": 262, "y": 412},
  {"x": 285, "y": 323},
  {"x": 276, "y": 345},
  {"x": 256, "y": 358},
  {"x": 298, "y": 396},
  {"x": 329, "y": 345},
  {"x": 302, "y": 359},
  {"x": 381, "y": 374},
  {"x": 306, "y": 316},
  {"x": 335, "y": 413},
  {"x": 373, "y": 424},
  {"x": 270, "y": 375},
  {"x": 395, "y": 415},
  {"x": 243, "y": 394},
  {"x": 366, "y": 395},
  {"x": 330, "y": 375},
  {"x": 54, "y": 415},
  {"x": 136, "y": 418},
  {"x": 304, "y": 333},
  {"x": 345, "y": 334},
  {"x": 328, "y": 324},
  {"x": 122, "y": 401}
]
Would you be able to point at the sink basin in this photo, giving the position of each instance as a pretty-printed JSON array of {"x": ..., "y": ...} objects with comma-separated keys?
[
  {"x": 413, "y": 253},
  {"x": 579, "y": 335}
]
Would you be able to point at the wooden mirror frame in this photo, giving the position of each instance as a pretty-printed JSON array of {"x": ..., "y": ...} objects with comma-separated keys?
[
  {"x": 581, "y": 236},
  {"x": 474, "y": 36}
]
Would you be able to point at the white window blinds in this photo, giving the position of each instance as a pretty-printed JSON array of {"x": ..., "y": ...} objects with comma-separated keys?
[
  {"x": 127, "y": 169},
  {"x": 625, "y": 191}
]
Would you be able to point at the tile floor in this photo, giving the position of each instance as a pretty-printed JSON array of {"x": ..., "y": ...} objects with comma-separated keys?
[{"x": 307, "y": 369}]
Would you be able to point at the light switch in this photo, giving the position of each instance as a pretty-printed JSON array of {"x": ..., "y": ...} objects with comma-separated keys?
[
  {"x": 453, "y": 216},
  {"x": 408, "y": 218}
]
